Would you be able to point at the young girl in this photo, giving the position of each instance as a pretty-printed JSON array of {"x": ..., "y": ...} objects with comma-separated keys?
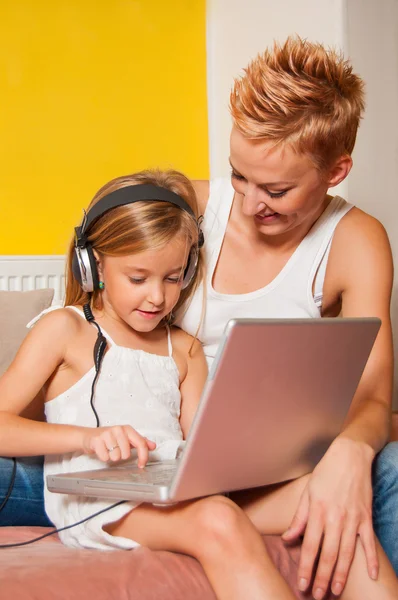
[{"x": 135, "y": 260}]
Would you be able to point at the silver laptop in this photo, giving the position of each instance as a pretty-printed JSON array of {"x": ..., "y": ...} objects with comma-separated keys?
[{"x": 276, "y": 396}]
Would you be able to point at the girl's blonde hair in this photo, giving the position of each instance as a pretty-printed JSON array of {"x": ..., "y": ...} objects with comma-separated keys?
[
  {"x": 303, "y": 95},
  {"x": 138, "y": 227}
]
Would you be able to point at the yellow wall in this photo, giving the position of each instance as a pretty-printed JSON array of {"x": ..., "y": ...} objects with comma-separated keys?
[{"x": 92, "y": 89}]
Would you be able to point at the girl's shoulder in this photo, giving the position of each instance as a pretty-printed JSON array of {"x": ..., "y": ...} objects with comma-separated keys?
[{"x": 57, "y": 321}]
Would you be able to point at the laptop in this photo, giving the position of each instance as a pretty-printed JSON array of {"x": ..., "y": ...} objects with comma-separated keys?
[{"x": 277, "y": 395}]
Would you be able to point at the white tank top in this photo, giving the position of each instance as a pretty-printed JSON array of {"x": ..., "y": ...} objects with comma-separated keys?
[{"x": 289, "y": 295}]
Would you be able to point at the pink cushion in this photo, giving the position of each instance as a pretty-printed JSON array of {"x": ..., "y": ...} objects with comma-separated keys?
[{"x": 49, "y": 570}]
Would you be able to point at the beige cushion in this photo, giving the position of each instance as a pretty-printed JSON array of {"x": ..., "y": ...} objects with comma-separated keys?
[{"x": 16, "y": 310}]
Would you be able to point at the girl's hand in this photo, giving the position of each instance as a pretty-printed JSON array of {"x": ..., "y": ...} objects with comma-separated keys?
[
  {"x": 335, "y": 507},
  {"x": 115, "y": 443}
]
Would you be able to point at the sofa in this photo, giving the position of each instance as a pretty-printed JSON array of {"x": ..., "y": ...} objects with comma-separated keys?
[{"x": 47, "y": 569}]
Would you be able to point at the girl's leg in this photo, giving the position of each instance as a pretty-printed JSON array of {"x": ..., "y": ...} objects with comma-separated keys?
[
  {"x": 271, "y": 511},
  {"x": 219, "y": 535}
]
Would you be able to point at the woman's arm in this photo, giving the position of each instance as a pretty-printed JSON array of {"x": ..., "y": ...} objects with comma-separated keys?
[
  {"x": 367, "y": 279},
  {"x": 337, "y": 503}
]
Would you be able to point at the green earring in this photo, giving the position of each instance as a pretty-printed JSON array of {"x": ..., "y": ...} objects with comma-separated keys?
[{"x": 101, "y": 285}]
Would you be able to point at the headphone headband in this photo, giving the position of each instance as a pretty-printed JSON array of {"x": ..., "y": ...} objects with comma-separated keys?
[
  {"x": 129, "y": 195},
  {"x": 84, "y": 265}
]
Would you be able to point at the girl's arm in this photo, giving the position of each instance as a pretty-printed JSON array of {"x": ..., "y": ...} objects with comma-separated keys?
[
  {"x": 43, "y": 351},
  {"x": 192, "y": 386}
]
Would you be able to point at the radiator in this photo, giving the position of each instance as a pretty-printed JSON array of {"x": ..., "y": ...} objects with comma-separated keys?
[{"x": 23, "y": 273}]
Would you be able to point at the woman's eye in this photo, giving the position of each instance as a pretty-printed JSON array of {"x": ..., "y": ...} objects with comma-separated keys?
[
  {"x": 236, "y": 176},
  {"x": 136, "y": 280},
  {"x": 276, "y": 194}
]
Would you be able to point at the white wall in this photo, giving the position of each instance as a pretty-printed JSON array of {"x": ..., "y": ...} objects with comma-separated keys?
[{"x": 367, "y": 32}]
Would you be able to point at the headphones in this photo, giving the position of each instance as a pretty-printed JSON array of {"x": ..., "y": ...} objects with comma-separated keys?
[{"x": 84, "y": 266}]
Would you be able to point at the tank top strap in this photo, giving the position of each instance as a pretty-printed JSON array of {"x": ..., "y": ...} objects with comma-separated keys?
[
  {"x": 169, "y": 343},
  {"x": 221, "y": 195},
  {"x": 338, "y": 209}
]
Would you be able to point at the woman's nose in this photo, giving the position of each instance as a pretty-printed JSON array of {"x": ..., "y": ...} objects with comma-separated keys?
[{"x": 253, "y": 202}]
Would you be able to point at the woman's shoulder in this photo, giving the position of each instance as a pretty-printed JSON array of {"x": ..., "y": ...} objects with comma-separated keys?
[
  {"x": 218, "y": 191},
  {"x": 182, "y": 341},
  {"x": 361, "y": 244},
  {"x": 359, "y": 226},
  {"x": 202, "y": 190}
]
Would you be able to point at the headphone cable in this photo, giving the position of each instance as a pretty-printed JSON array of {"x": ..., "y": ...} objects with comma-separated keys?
[{"x": 62, "y": 528}]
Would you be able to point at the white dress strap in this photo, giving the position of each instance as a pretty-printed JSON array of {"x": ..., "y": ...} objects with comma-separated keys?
[
  {"x": 40, "y": 315},
  {"x": 169, "y": 344},
  {"x": 57, "y": 307}
]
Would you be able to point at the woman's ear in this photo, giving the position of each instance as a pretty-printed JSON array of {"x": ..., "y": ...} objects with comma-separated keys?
[{"x": 339, "y": 170}]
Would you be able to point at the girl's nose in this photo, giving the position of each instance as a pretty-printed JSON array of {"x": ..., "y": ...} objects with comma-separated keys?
[{"x": 156, "y": 294}]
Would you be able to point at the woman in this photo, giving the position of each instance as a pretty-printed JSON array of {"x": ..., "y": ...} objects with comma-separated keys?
[{"x": 277, "y": 245}]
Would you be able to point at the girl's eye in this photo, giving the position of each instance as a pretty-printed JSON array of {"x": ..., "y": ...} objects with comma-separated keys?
[
  {"x": 136, "y": 280},
  {"x": 174, "y": 279},
  {"x": 236, "y": 176}
]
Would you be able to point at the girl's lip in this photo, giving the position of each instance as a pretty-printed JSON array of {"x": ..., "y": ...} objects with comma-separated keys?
[{"x": 147, "y": 314}]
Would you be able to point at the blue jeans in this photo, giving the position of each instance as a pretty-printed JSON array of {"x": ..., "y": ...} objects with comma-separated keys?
[
  {"x": 385, "y": 501},
  {"x": 26, "y": 504}
]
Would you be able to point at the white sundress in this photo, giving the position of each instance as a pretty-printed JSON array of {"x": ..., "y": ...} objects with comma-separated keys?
[{"x": 134, "y": 388}]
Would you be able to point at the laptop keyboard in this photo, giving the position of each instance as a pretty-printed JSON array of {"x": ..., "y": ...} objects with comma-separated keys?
[{"x": 152, "y": 474}]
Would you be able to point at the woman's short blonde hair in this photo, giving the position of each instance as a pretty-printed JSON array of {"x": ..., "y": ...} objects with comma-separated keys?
[{"x": 302, "y": 95}]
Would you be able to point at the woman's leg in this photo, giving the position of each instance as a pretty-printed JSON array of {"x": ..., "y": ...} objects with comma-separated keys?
[
  {"x": 219, "y": 535},
  {"x": 271, "y": 511},
  {"x": 25, "y": 505},
  {"x": 385, "y": 501},
  {"x": 359, "y": 584}
]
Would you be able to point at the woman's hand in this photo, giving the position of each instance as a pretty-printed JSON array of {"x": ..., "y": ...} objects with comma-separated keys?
[
  {"x": 335, "y": 507},
  {"x": 115, "y": 443}
]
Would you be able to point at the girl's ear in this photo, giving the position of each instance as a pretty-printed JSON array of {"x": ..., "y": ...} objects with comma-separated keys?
[
  {"x": 98, "y": 262},
  {"x": 339, "y": 170}
]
